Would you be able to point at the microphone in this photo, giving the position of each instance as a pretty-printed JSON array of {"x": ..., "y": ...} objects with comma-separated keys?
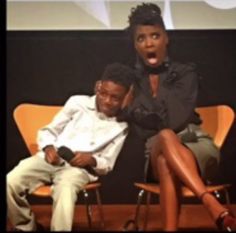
[{"x": 65, "y": 153}]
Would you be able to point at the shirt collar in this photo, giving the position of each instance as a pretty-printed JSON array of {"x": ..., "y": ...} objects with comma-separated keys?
[{"x": 92, "y": 103}]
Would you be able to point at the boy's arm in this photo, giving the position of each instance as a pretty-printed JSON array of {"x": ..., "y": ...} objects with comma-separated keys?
[
  {"x": 106, "y": 158},
  {"x": 102, "y": 161},
  {"x": 48, "y": 134}
]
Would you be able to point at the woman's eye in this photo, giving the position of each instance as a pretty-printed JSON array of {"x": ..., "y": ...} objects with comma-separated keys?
[
  {"x": 155, "y": 36},
  {"x": 140, "y": 38}
]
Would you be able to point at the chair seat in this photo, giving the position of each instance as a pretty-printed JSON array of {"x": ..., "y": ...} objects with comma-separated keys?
[
  {"x": 29, "y": 119},
  {"x": 45, "y": 190},
  {"x": 155, "y": 188}
]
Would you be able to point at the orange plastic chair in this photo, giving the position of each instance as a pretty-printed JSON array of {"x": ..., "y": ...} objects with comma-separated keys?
[
  {"x": 29, "y": 118},
  {"x": 217, "y": 121}
]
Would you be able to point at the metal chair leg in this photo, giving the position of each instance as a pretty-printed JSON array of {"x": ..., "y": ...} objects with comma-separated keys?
[
  {"x": 148, "y": 198},
  {"x": 227, "y": 198},
  {"x": 88, "y": 208},
  {"x": 137, "y": 214},
  {"x": 132, "y": 224},
  {"x": 99, "y": 203}
]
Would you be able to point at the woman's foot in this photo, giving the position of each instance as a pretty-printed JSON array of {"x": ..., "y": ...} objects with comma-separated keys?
[{"x": 226, "y": 221}]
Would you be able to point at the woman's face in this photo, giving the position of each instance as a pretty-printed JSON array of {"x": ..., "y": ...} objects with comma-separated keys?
[{"x": 151, "y": 42}]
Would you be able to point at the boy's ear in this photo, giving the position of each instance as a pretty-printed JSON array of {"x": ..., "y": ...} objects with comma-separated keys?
[{"x": 97, "y": 86}]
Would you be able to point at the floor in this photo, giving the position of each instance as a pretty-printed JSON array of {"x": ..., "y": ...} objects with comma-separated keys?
[{"x": 193, "y": 218}]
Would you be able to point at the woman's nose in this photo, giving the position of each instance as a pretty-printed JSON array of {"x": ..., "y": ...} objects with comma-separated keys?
[{"x": 148, "y": 42}]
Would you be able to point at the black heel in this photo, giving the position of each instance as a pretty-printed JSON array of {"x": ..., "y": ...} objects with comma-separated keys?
[{"x": 226, "y": 221}]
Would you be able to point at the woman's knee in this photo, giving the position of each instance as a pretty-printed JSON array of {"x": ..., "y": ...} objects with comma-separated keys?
[
  {"x": 166, "y": 135},
  {"x": 164, "y": 139}
]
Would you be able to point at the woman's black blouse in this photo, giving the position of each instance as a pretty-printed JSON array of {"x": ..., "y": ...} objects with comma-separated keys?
[{"x": 174, "y": 105}]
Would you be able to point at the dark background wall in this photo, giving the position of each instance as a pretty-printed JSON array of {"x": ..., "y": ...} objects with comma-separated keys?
[{"x": 47, "y": 67}]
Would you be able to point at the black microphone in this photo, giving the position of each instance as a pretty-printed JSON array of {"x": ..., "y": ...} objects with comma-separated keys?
[{"x": 65, "y": 153}]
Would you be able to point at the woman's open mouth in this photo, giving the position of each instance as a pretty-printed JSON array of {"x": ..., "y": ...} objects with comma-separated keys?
[{"x": 151, "y": 58}]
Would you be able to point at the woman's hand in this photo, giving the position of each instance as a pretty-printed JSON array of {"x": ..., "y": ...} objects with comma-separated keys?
[{"x": 128, "y": 98}]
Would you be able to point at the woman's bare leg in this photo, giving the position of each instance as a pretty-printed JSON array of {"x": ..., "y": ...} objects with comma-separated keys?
[
  {"x": 183, "y": 164},
  {"x": 169, "y": 195}
]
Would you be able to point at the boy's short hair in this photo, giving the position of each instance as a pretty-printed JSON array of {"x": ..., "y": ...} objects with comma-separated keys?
[{"x": 120, "y": 74}]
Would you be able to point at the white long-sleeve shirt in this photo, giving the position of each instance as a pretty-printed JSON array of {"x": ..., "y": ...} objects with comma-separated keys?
[{"x": 80, "y": 127}]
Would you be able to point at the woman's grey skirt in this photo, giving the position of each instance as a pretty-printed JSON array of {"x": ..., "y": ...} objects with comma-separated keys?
[{"x": 207, "y": 154}]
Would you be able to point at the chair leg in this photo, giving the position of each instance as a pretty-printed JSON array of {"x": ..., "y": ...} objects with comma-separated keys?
[
  {"x": 227, "y": 198},
  {"x": 88, "y": 208},
  {"x": 99, "y": 203},
  {"x": 132, "y": 224},
  {"x": 148, "y": 198},
  {"x": 137, "y": 213}
]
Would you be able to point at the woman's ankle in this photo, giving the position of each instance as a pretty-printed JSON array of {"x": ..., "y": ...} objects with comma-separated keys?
[{"x": 202, "y": 195}]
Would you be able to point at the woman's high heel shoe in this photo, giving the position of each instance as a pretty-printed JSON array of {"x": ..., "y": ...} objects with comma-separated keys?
[{"x": 226, "y": 221}]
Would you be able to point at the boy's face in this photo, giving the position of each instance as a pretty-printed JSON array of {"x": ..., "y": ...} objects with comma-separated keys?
[{"x": 109, "y": 97}]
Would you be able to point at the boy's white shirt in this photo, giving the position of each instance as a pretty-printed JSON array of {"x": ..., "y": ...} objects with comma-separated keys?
[{"x": 80, "y": 127}]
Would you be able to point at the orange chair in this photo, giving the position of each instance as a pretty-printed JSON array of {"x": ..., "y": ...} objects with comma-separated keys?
[
  {"x": 217, "y": 121},
  {"x": 29, "y": 118}
]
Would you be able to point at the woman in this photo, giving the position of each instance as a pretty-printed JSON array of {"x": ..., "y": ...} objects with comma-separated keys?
[{"x": 163, "y": 113}]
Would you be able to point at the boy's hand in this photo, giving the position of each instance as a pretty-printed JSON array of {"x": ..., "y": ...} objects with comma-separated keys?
[
  {"x": 83, "y": 159},
  {"x": 51, "y": 155}
]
